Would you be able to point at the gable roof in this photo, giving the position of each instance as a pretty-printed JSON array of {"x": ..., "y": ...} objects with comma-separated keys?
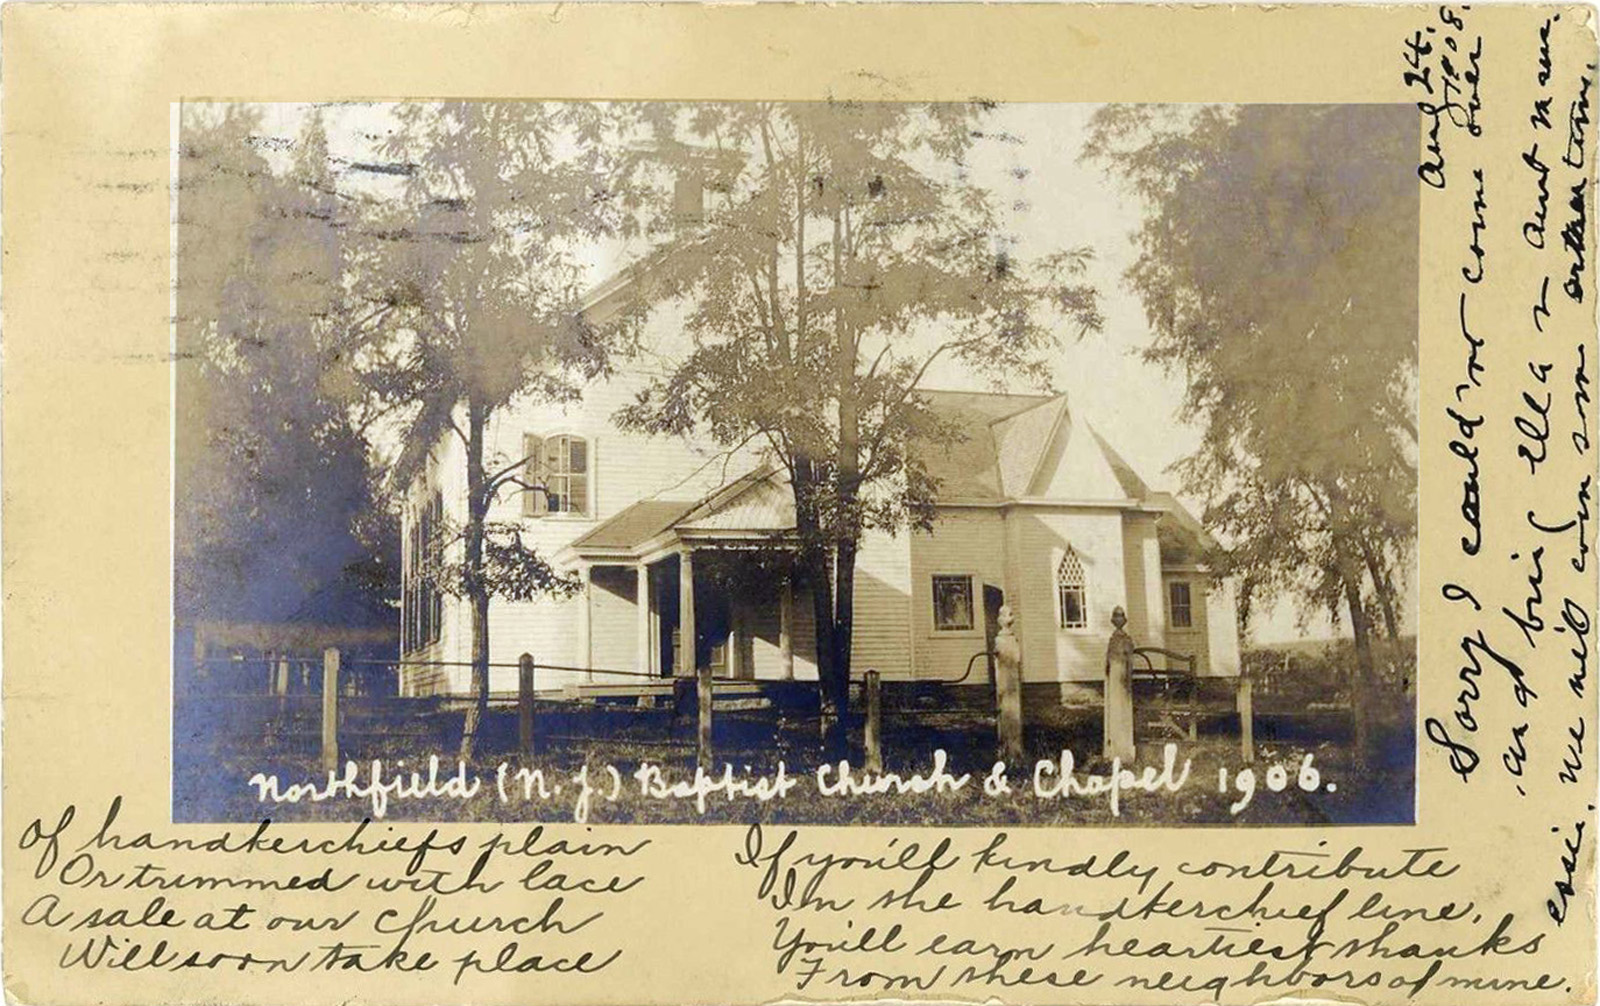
[
  {"x": 1023, "y": 446},
  {"x": 969, "y": 467},
  {"x": 760, "y": 502},
  {"x": 1183, "y": 539},
  {"x": 1009, "y": 447}
]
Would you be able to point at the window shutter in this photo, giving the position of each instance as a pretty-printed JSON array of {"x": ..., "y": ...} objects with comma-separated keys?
[
  {"x": 533, "y": 502},
  {"x": 578, "y": 484},
  {"x": 408, "y": 577},
  {"x": 436, "y": 561}
]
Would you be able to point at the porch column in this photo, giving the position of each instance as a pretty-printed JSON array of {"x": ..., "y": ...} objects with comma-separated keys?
[
  {"x": 786, "y": 629},
  {"x": 736, "y": 667},
  {"x": 585, "y": 649},
  {"x": 686, "y": 661},
  {"x": 641, "y": 595}
]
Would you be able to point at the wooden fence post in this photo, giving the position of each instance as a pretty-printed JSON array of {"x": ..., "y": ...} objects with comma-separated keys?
[
  {"x": 1247, "y": 721},
  {"x": 874, "y": 730},
  {"x": 1008, "y": 689},
  {"x": 330, "y": 709},
  {"x": 525, "y": 705},
  {"x": 703, "y": 736}
]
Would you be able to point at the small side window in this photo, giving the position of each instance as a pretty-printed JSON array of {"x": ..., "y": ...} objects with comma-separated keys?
[
  {"x": 1072, "y": 608},
  {"x": 1179, "y": 606}
]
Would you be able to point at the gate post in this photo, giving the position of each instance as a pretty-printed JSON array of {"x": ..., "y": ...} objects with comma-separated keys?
[
  {"x": 1117, "y": 714},
  {"x": 525, "y": 705},
  {"x": 703, "y": 735},
  {"x": 874, "y": 729},
  {"x": 1008, "y": 689},
  {"x": 330, "y": 709}
]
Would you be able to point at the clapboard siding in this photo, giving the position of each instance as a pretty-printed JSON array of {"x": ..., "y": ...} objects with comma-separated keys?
[
  {"x": 625, "y": 468},
  {"x": 1019, "y": 549},
  {"x": 1041, "y": 538},
  {"x": 428, "y": 670},
  {"x": 761, "y": 623},
  {"x": 1222, "y": 633},
  {"x": 1141, "y": 557},
  {"x": 881, "y": 628},
  {"x": 1213, "y": 639},
  {"x": 614, "y": 618},
  {"x": 969, "y": 542}
]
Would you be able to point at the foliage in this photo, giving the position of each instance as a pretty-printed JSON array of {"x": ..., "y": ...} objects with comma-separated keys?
[
  {"x": 476, "y": 283},
  {"x": 275, "y": 478},
  {"x": 514, "y": 570},
  {"x": 1277, "y": 267},
  {"x": 840, "y": 253}
]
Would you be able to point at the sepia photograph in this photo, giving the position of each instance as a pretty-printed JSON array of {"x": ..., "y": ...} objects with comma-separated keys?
[{"x": 820, "y": 463}]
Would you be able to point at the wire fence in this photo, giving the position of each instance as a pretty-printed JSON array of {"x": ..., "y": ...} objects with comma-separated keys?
[
  {"x": 277, "y": 705},
  {"x": 272, "y": 704}
]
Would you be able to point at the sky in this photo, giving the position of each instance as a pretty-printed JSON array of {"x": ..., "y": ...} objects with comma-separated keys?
[{"x": 1050, "y": 201}]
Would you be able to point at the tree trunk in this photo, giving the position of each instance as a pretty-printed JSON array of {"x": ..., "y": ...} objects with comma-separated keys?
[
  {"x": 1383, "y": 586},
  {"x": 847, "y": 474},
  {"x": 1361, "y": 628},
  {"x": 835, "y": 700},
  {"x": 814, "y": 559},
  {"x": 835, "y": 741},
  {"x": 477, "y": 589},
  {"x": 1348, "y": 548}
]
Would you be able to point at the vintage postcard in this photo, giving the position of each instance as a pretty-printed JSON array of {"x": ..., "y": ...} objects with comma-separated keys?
[{"x": 701, "y": 504}]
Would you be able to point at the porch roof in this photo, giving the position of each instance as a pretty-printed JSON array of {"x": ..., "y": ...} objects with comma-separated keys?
[
  {"x": 758, "y": 504},
  {"x": 635, "y": 524}
]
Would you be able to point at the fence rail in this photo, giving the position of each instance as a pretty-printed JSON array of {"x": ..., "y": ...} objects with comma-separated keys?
[{"x": 322, "y": 698}]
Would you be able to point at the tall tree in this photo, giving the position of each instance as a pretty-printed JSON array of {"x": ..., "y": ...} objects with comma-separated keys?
[
  {"x": 842, "y": 252},
  {"x": 272, "y": 477},
  {"x": 1278, "y": 267},
  {"x": 477, "y": 278}
]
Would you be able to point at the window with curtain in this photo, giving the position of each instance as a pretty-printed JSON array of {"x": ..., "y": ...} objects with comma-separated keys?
[
  {"x": 1180, "y": 609},
  {"x": 952, "y": 603},
  {"x": 1072, "y": 595}
]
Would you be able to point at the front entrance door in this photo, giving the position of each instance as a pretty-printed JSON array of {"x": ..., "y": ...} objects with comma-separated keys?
[
  {"x": 712, "y": 617},
  {"x": 993, "y": 598}
]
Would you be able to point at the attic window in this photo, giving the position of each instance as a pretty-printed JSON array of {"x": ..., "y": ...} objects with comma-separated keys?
[{"x": 1072, "y": 606}]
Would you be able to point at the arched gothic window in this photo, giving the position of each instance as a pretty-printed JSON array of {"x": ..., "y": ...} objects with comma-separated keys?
[{"x": 1072, "y": 592}]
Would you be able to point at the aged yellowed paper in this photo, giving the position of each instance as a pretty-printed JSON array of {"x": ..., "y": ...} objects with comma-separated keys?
[{"x": 1038, "y": 504}]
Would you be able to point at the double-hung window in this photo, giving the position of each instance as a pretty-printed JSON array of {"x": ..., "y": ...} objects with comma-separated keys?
[
  {"x": 1180, "y": 605},
  {"x": 422, "y": 615},
  {"x": 557, "y": 469}
]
